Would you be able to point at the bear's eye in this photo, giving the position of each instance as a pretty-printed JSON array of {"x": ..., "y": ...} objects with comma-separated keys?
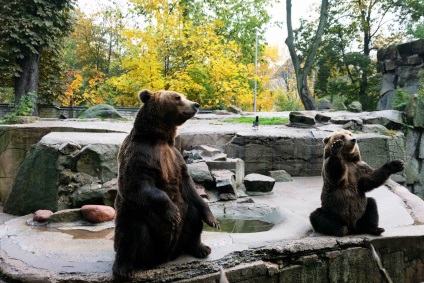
[{"x": 178, "y": 98}]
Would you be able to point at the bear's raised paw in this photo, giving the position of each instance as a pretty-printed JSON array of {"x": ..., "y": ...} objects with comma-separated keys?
[
  {"x": 396, "y": 166},
  {"x": 336, "y": 147}
]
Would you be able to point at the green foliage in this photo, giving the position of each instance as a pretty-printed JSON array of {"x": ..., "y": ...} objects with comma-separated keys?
[
  {"x": 262, "y": 121},
  {"x": 236, "y": 21},
  {"x": 345, "y": 64},
  {"x": 286, "y": 103},
  {"x": 6, "y": 94},
  {"x": 31, "y": 27},
  {"x": 400, "y": 99},
  {"x": 24, "y": 108}
]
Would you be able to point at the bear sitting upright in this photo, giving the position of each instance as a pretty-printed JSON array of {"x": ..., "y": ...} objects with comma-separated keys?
[
  {"x": 158, "y": 212},
  {"x": 344, "y": 207}
]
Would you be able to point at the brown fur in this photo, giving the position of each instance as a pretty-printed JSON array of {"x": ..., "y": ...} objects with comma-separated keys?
[
  {"x": 345, "y": 209},
  {"x": 159, "y": 214}
]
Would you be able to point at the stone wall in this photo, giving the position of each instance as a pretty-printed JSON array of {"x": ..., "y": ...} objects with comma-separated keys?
[
  {"x": 50, "y": 111},
  {"x": 401, "y": 66}
]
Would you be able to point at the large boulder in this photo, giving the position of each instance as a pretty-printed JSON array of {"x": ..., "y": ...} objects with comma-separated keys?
[
  {"x": 38, "y": 185},
  {"x": 101, "y": 111}
]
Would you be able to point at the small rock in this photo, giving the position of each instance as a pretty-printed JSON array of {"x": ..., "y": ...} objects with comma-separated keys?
[
  {"x": 280, "y": 176},
  {"x": 227, "y": 196},
  {"x": 301, "y": 118},
  {"x": 66, "y": 215},
  {"x": 97, "y": 213},
  {"x": 325, "y": 104},
  {"x": 234, "y": 109},
  {"x": 355, "y": 106},
  {"x": 42, "y": 215},
  {"x": 221, "y": 112}
]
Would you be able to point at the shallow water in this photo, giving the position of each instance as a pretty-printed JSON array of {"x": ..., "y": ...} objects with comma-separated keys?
[{"x": 240, "y": 226}]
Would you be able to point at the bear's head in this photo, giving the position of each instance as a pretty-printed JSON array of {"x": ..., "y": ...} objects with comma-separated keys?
[
  {"x": 350, "y": 149},
  {"x": 169, "y": 107}
]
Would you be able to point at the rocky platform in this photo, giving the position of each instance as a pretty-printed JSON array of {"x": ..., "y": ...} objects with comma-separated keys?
[{"x": 288, "y": 252}]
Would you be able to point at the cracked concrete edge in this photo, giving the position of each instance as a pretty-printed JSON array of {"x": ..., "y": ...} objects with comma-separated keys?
[
  {"x": 257, "y": 259},
  {"x": 413, "y": 202}
]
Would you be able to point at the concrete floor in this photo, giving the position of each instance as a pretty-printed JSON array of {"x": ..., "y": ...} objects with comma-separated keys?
[{"x": 32, "y": 253}]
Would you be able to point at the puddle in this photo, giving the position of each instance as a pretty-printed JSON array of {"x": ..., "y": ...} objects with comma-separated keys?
[
  {"x": 240, "y": 226},
  {"x": 107, "y": 234}
]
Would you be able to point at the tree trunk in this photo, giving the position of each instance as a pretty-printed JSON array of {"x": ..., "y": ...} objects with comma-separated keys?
[
  {"x": 302, "y": 73},
  {"x": 28, "y": 79},
  {"x": 363, "y": 81}
]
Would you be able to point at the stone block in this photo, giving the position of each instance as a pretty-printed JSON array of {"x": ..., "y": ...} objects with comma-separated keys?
[
  {"x": 389, "y": 65},
  {"x": 322, "y": 118},
  {"x": 257, "y": 183},
  {"x": 66, "y": 215},
  {"x": 417, "y": 47},
  {"x": 301, "y": 118},
  {"x": 235, "y": 165},
  {"x": 414, "y": 59},
  {"x": 224, "y": 181},
  {"x": 387, "y": 53},
  {"x": 199, "y": 172},
  {"x": 404, "y": 49},
  {"x": 88, "y": 194}
]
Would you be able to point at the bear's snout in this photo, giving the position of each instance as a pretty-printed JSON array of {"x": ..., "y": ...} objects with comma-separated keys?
[
  {"x": 353, "y": 141},
  {"x": 196, "y": 105}
]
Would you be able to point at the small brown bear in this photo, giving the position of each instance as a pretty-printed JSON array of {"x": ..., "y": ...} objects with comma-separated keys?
[
  {"x": 158, "y": 212},
  {"x": 345, "y": 209}
]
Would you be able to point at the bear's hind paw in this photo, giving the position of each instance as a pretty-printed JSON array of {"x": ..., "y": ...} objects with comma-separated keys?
[
  {"x": 343, "y": 231},
  {"x": 122, "y": 272},
  {"x": 377, "y": 231},
  {"x": 202, "y": 251}
]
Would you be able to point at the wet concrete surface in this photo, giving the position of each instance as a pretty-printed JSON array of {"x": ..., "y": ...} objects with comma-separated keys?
[{"x": 85, "y": 253}]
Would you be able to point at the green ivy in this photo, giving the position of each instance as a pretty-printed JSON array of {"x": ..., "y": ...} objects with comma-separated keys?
[{"x": 24, "y": 108}]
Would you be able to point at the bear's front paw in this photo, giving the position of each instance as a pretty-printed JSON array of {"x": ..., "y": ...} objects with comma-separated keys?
[
  {"x": 396, "y": 166},
  {"x": 212, "y": 222},
  {"x": 336, "y": 147},
  {"x": 173, "y": 217}
]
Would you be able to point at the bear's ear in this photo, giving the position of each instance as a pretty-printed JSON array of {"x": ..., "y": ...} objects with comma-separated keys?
[
  {"x": 144, "y": 95},
  {"x": 325, "y": 140}
]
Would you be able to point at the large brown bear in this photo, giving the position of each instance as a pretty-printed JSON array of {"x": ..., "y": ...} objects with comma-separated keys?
[
  {"x": 158, "y": 212},
  {"x": 345, "y": 209}
]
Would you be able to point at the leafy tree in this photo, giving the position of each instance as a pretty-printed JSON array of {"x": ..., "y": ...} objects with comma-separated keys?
[
  {"x": 26, "y": 29},
  {"x": 303, "y": 67},
  {"x": 186, "y": 58},
  {"x": 345, "y": 61}
]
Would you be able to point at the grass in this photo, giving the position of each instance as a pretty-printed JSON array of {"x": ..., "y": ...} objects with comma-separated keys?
[{"x": 262, "y": 121}]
